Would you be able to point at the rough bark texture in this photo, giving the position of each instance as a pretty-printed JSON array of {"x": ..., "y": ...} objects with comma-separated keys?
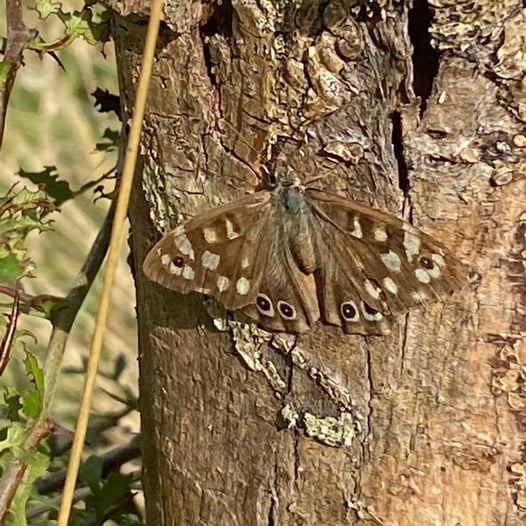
[{"x": 422, "y": 427}]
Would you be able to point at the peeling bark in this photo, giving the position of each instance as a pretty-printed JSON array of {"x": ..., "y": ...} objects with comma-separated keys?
[{"x": 425, "y": 426}]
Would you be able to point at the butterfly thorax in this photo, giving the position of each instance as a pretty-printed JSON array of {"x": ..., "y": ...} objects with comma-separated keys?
[{"x": 294, "y": 215}]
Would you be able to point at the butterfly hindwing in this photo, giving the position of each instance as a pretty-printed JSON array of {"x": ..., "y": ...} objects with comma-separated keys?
[{"x": 286, "y": 300}]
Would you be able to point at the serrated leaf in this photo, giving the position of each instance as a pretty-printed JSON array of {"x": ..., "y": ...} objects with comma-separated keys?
[
  {"x": 46, "y": 7},
  {"x": 12, "y": 403},
  {"x": 11, "y": 269},
  {"x": 16, "y": 434},
  {"x": 80, "y": 24},
  {"x": 32, "y": 400},
  {"x": 25, "y": 196},
  {"x": 37, "y": 465},
  {"x": 56, "y": 188}
]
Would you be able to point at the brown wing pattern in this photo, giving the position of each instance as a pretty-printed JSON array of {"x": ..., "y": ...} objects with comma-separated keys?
[
  {"x": 222, "y": 253},
  {"x": 377, "y": 264},
  {"x": 286, "y": 258},
  {"x": 286, "y": 300}
]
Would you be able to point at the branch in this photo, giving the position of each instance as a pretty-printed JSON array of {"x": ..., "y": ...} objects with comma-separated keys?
[{"x": 18, "y": 35}]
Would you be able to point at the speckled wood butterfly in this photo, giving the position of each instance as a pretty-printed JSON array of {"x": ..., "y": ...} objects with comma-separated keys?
[{"x": 293, "y": 255}]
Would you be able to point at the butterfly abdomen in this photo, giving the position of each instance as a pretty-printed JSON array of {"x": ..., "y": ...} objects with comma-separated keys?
[{"x": 296, "y": 220}]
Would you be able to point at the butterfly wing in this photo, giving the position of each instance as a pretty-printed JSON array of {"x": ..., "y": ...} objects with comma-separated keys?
[
  {"x": 286, "y": 299},
  {"x": 221, "y": 253},
  {"x": 239, "y": 253},
  {"x": 374, "y": 264}
]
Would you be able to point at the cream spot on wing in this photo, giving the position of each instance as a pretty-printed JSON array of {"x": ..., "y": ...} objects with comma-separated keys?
[
  {"x": 391, "y": 261},
  {"x": 210, "y": 235},
  {"x": 390, "y": 285},
  {"x": 357, "y": 231},
  {"x": 411, "y": 244},
  {"x": 174, "y": 269},
  {"x": 438, "y": 259},
  {"x": 380, "y": 234},
  {"x": 370, "y": 316},
  {"x": 201, "y": 290},
  {"x": 434, "y": 272},
  {"x": 230, "y": 232},
  {"x": 223, "y": 283},
  {"x": 242, "y": 286},
  {"x": 422, "y": 275},
  {"x": 245, "y": 262},
  {"x": 166, "y": 260},
  {"x": 372, "y": 289},
  {"x": 183, "y": 244},
  {"x": 210, "y": 260},
  {"x": 188, "y": 272},
  {"x": 418, "y": 296}
]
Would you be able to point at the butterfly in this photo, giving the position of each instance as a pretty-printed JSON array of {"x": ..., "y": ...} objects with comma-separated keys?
[{"x": 291, "y": 256}]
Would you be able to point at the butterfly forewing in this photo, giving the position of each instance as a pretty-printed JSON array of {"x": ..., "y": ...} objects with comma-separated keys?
[{"x": 222, "y": 253}]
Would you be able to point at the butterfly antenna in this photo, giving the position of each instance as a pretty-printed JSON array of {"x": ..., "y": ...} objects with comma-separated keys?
[{"x": 238, "y": 136}]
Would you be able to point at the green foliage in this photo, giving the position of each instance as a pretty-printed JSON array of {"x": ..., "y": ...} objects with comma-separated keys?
[
  {"x": 48, "y": 180},
  {"x": 90, "y": 23},
  {"x": 33, "y": 400},
  {"x": 25, "y": 406},
  {"x": 37, "y": 466},
  {"x": 21, "y": 212},
  {"x": 21, "y": 405}
]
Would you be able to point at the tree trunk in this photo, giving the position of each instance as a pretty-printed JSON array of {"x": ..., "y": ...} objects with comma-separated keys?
[{"x": 417, "y": 112}]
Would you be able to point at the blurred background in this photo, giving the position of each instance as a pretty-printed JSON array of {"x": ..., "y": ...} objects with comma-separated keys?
[{"x": 52, "y": 121}]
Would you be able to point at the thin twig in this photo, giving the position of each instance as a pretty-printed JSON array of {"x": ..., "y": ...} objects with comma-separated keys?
[
  {"x": 18, "y": 36},
  {"x": 7, "y": 340},
  {"x": 117, "y": 236}
]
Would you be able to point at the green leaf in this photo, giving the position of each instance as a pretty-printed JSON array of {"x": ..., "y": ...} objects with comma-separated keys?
[
  {"x": 16, "y": 434},
  {"x": 12, "y": 403},
  {"x": 11, "y": 269},
  {"x": 31, "y": 198},
  {"x": 115, "y": 488},
  {"x": 48, "y": 178},
  {"x": 32, "y": 401},
  {"x": 20, "y": 212},
  {"x": 37, "y": 465},
  {"x": 45, "y": 7},
  {"x": 91, "y": 473},
  {"x": 5, "y": 68}
]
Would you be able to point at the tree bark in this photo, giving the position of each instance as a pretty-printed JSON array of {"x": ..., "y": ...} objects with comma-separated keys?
[{"x": 414, "y": 110}]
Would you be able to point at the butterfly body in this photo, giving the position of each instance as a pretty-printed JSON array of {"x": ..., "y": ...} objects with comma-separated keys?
[{"x": 291, "y": 256}]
